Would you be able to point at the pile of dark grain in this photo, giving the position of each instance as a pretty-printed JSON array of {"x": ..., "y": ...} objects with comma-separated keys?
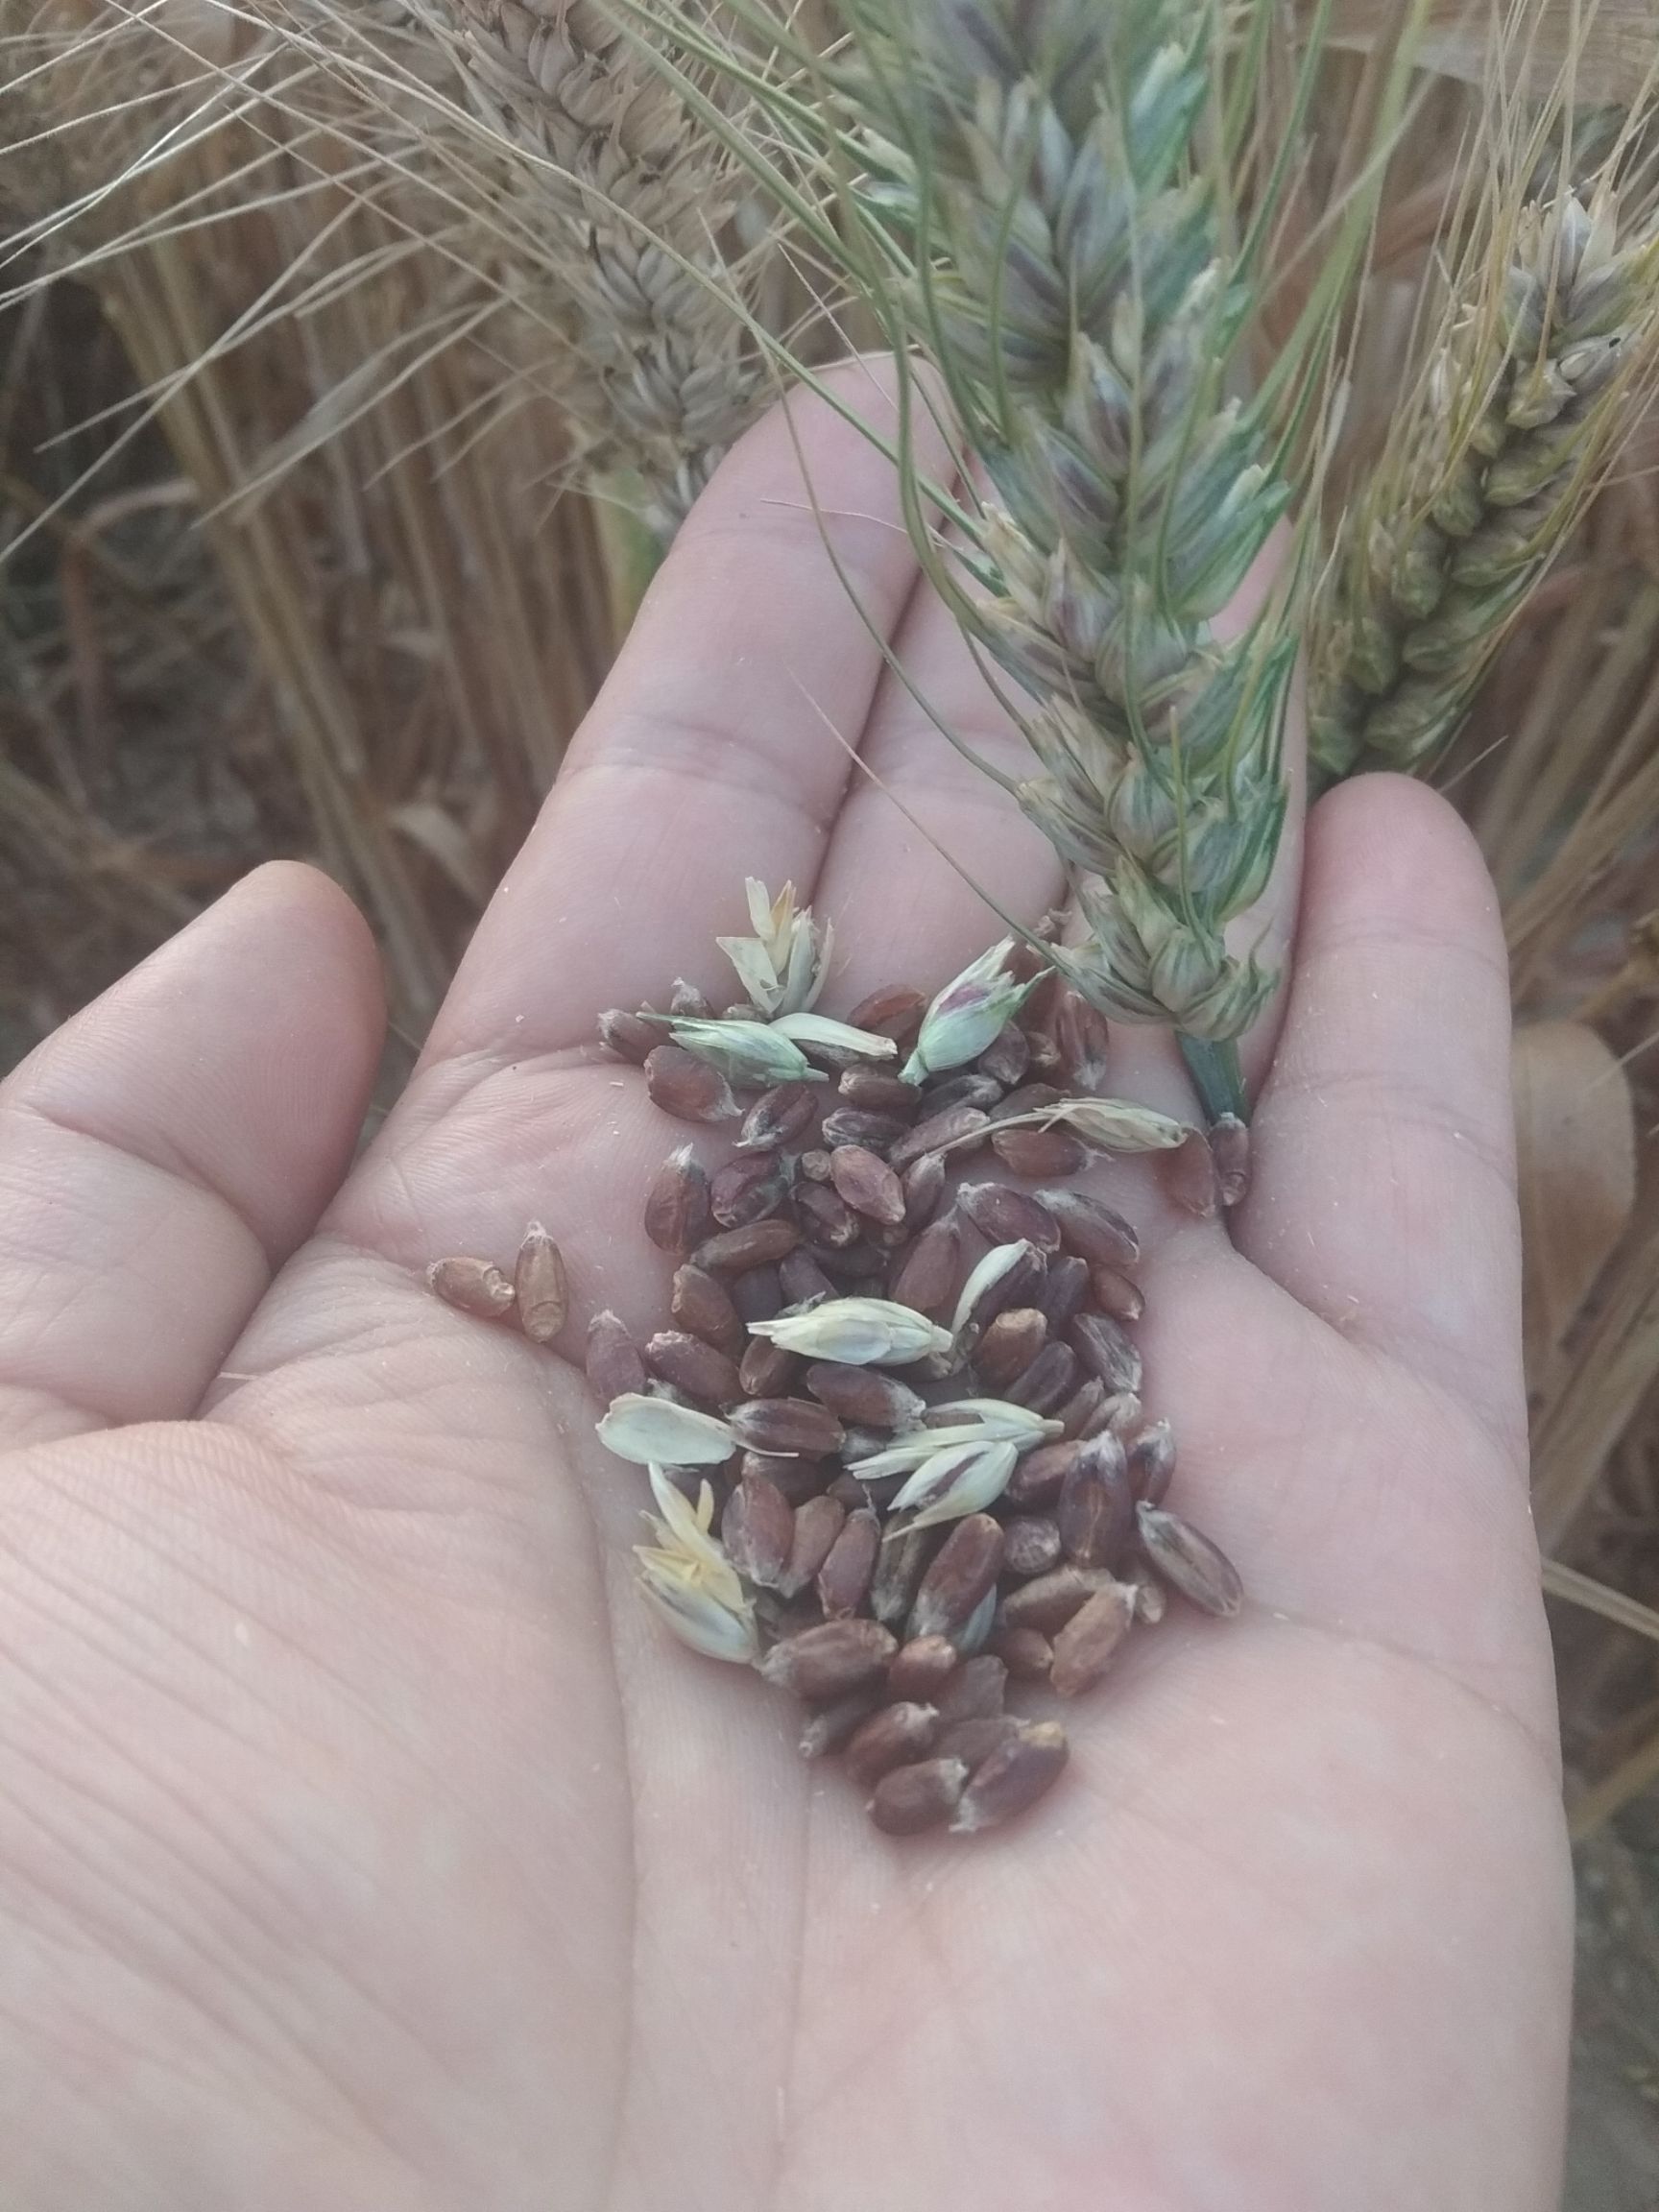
[{"x": 845, "y": 1297}]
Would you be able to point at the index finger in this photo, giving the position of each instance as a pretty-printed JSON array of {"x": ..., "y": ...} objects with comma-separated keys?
[{"x": 707, "y": 757}]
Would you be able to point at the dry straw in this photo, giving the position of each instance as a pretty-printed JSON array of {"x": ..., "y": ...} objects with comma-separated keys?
[
  {"x": 315, "y": 366},
  {"x": 630, "y": 209},
  {"x": 1542, "y": 344}
]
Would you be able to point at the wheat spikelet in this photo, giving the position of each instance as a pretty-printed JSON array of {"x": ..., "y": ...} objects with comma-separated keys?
[
  {"x": 1481, "y": 482},
  {"x": 630, "y": 199}
]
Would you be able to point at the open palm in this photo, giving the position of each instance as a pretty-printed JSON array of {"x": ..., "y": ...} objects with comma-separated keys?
[{"x": 363, "y": 1841}]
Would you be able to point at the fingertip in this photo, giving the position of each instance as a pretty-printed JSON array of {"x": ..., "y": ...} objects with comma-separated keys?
[
  {"x": 242, "y": 1051},
  {"x": 1391, "y": 852},
  {"x": 328, "y": 944}
]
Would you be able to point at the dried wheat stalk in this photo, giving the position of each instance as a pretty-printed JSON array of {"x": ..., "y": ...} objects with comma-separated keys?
[
  {"x": 1484, "y": 476},
  {"x": 628, "y": 201},
  {"x": 391, "y": 563}
]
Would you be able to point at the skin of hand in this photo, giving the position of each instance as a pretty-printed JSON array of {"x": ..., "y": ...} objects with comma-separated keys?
[{"x": 364, "y": 1843}]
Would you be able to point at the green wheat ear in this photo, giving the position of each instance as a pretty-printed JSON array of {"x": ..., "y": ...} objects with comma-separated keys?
[{"x": 1040, "y": 200}]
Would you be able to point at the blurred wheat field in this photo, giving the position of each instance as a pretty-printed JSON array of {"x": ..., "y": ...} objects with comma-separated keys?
[{"x": 322, "y": 508}]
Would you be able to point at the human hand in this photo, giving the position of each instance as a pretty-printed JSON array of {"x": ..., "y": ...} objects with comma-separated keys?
[{"x": 364, "y": 1843}]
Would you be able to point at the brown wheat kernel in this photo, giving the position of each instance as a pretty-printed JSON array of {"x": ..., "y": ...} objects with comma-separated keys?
[
  {"x": 749, "y": 1188},
  {"x": 699, "y": 1302},
  {"x": 788, "y": 1424},
  {"x": 1025, "y": 1652},
  {"x": 887, "y": 1237},
  {"x": 1093, "y": 1230},
  {"x": 1012, "y": 1778},
  {"x": 694, "y": 1367},
  {"x": 975, "y": 1691},
  {"x": 804, "y": 1282},
  {"x": 897, "y": 1572},
  {"x": 867, "y": 1184},
  {"x": 757, "y": 1529},
  {"x": 1064, "y": 1290},
  {"x": 923, "y": 1668},
  {"x": 894, "y": 1736},
  {"x": 541, "y": 1285},
  {"x": 677, "y": 1203},
  {"x": 1095, "y": 1512},
  {"x": 1009, "y": 1345},
  {"x": 778, "y": 1117},
  {"x": 473, "y": 1286},
  {"x": 1090, "y": 1641},
  {"x": 850, "y": 1564},
  {"x": 735, "y": 1251},
  {"x": 1081, "y": 1407},
  {"x": 687, "y": 1088},
  {"x": 966, "y": 1088},
  {"x": 1007, "y": 1058},
  {"x": 824, "y": 1215},
  {"x": 964, "y": 1569},
  {"x": 798, "y": 1479},
  {"x": 895, "y": 1010},
  {"x": 1187, "y": 1172},
  {"x": 766, "y": 1370},
  {"x": 973, "y": 1740},
  {"x": 818, "y": 1521},
  {"x": 1031, "y": 1544},
  {"x": 1049, "y": 1600},
  {"x": 615, "y": 1366},
  {"x": 874, "y": 1092},
  {"x": 1152, "y": 1463},
  {"x": 1106, "y": 1351},
  {"x": 1009, "y": 1217},
  {"x": 925, "y": 1277},
  {"x": 911, "y": 1799},
  {"x": 856, "y": 1267},
  {"x": 830, "y": 1660},
  {"x": 923, "y": 1183},
  {"x": 864, "y": 1394},
  {"x": 628, "y": 1036},
  {"x": 1081, "y": 1034},
  {"x": 1047, "y": 1383},
  {"x": 1115, "y": 1294},
  {"x": 1121, "y": 1412},
  {"x": 1187, "y": 1559},
  {"x": 1029, "y": 1099},
  {"x": 688, "y": 1003},
  {"x": 1036, "y": 1481},
  {"x": 959, "y": 1128},
  {"x": 834, "y": 1724},
  {"x": 758, "y": 1293},
  {"x": 853, "y": 1125},
  {"x": 1039, "y": 1152}
]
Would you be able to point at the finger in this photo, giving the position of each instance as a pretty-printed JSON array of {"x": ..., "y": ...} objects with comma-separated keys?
[
  {"x": 1383, "y": 1193},
  {"x": 710, "y": 754},
  {"x": 164, "y": 1151}
]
